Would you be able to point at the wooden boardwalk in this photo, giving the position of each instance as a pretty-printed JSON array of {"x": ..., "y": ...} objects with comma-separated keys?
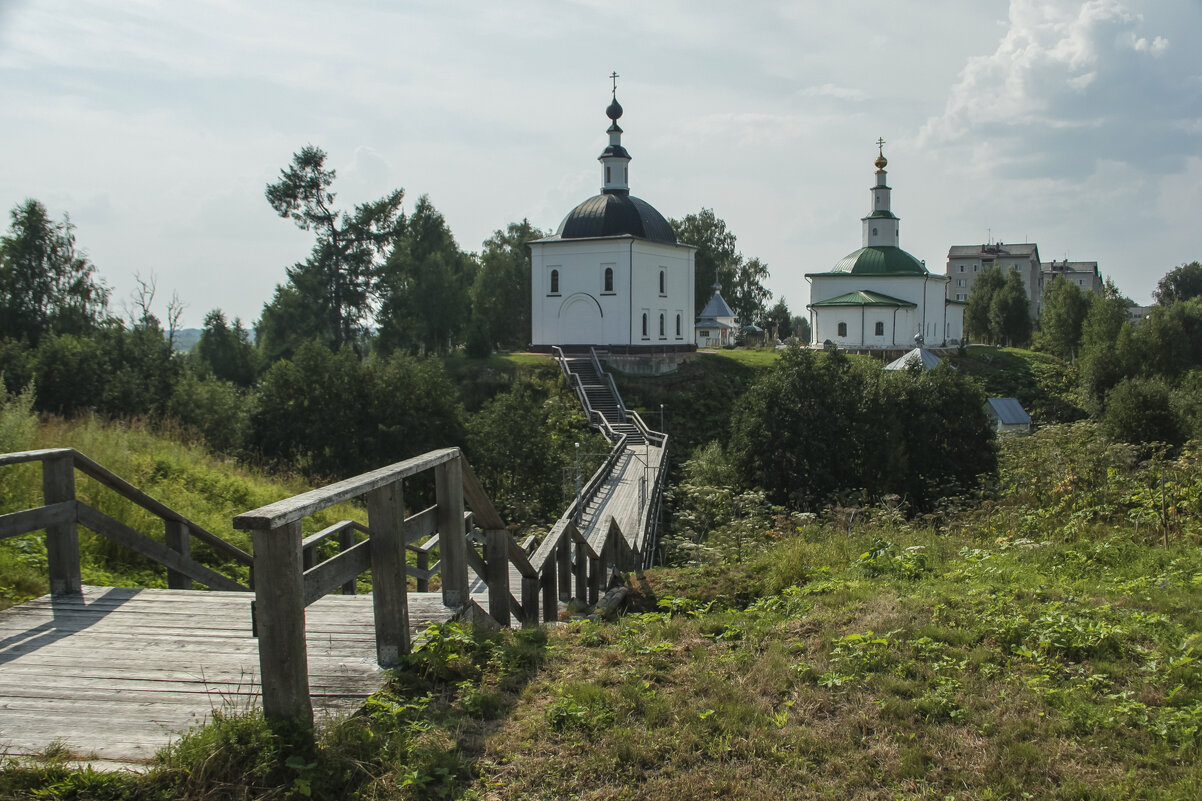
[
  {"x": 116, "y": 674},
  {"x": 624, "y": 496}
]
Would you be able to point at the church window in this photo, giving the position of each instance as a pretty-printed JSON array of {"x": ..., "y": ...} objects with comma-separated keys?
[
  {"x": 624, "y": 175},
  {"x": 842, "y": 330},
  {"x": 661, "y": 325},
  {"x": 607, "y": 175},
  {"x": 677, "y": 325},
  {"x": 644, "y": 325},
  {"x": 609, "y": 280},
  {"x": 555, "y": 282},
  {"x": 874, "y": 232},
  {"x": 880, "y": 329},
  {"x": 663, "y": 283}
]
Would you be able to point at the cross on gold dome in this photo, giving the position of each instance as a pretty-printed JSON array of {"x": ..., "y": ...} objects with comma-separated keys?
[
  {"x": 614, "y": 76},
  {"x": 881, "y": 161}
]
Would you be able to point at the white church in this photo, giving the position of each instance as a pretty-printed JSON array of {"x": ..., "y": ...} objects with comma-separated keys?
[
  {"x": 613, "y": 275},
  {"x": 880, "y": 296}
]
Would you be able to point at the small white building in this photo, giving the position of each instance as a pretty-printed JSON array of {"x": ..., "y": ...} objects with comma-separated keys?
[
  {"x": 880, "y": 296},
  {"x": 613, "y": 274},
  {"x": 1007, "y": 415},
  {"x": 716, "y": 325}
]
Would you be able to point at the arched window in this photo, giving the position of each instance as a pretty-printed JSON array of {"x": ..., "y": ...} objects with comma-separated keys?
[
  {"x": 607, "y": 175},
  {"x": 661, "y": 325},
  {"x": 554, "y": 281},
  {"x": 842, "y": 330},
  {"x": 609, "y": 280},
  {"x": 644, "y": 324},
  {"x": 678, "y": 325},
  {"x": 880, "y": 329},
  {"x": 663, "y": 283}
]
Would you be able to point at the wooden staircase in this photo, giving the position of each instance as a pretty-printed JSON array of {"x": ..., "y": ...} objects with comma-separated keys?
[{"x": 602, "y": 398}]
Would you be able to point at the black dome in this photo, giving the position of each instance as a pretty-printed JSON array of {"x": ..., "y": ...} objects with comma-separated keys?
[{"x": 616, "y": 215}]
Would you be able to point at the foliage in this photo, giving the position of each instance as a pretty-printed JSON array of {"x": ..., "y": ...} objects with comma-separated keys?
[
  {"x": 500, "y": 293},
  {"x": 998, "y": 312},
  {"x": 717, "y": 261},
  {"x": 46, "y": 285},
  {"x": 335, "y": 414},
  {"x": 226, "y": 351},
  {"x": 331, "y": 291},
  {"x": 1181, "y": 283},
  {"x": 1138, "y": 411},
  {"x": 977, "y": 325},
  {"x": 424, "y": 286},
  {"x": 815, "y": 428},
  {"x": 1065, "y": 306}
]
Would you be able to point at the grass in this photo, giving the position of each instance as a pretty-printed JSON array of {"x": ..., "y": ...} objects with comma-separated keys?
[{"x": 749, "y": 357}]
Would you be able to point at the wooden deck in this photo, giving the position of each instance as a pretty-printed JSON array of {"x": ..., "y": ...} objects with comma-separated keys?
[
  {"x": 117, "y": 673},
  {"x": 620, "y": 497}
]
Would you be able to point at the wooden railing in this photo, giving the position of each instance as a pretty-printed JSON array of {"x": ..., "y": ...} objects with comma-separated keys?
[
  {"x": 592, "y": 352},
  {"x": 289, "y": 576},
  {"x": 62, "y": 513}
]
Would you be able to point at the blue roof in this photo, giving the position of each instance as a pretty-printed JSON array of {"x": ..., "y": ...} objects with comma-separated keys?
[
  {"x": 1008, "y": 411},
  {"x": 717, "y": 307}
]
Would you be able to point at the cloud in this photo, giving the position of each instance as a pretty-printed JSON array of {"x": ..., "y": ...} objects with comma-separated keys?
[
  {"x": 1069, "y": 84},
  {"x": 837, "y": 92}
]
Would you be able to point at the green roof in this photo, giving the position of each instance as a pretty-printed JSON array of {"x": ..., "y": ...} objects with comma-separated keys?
[
  {"x": 881, "y": 215},
  {"x": 863, "y": 297},
  {"x": 878, "y": 260}
]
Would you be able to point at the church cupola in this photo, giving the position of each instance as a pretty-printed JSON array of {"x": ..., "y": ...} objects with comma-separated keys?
[
  {"x": 881, "y": 224},
  {"x": 614, "y": 159}
]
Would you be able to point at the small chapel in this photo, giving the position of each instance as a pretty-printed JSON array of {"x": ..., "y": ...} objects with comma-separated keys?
[
  {"x": 880, "y": 296},
  {"x": 613, "y": 274}
]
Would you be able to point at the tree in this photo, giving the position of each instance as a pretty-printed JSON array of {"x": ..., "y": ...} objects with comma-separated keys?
[
  {"x": 226, "y": 352},
  {"x": 1010, "y": 314},
  {"x": 1100, "y": 364},
  {"x": 46, "y": 286},
  {"x": 716, "y": 260},
  {"x": 748, "y": 296},
  {"x": 779, "y": 321},
  {"x": 424, "y": 286},
  {"x": 1183, "y": 283},
  {"x": 336, "y": 281},
  {"x": 801, "y": 330},
  {"x": 1138, "y": 410},
  {"x": 501, "y": 291},
  {"x": 1064, "y": 308},
  {"x": 977, "y": 324}
]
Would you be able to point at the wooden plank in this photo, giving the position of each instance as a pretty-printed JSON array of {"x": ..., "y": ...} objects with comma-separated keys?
[
  {"x": 15, "y": 524},
  {"x": 517, "y": 555},
  {"x": 478, "y": 500},
  {"x": 34, "y": 456},
  {"x": 299, "y": 506},
  {"x": 122, "y": 534},
  {"x": 386, "y": 519},
  {"x": 422, "y": 524},
  {"x": 62, "y": 539},
  {"x": 280, "y": 624},
  {"x": 336, "y": 571},
  {"x": 330, "y": 531}
]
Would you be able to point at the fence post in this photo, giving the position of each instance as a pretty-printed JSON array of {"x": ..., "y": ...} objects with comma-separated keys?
[
  {"x": 563, "y": 568},
  {"x": 423, "y": 564},
  {"x": 280, "y": 620},
  {"x": 62, "y": 540},
  {"x": 452, "y": 543},
  {"x": 550, "y": 593},
  {"x": 346, "y": 540},
  {"x": 496, "y": 564},
  {"x": 389, "y": 578},
  {"x": 177, "y": 538},
  {"x": 581, "y": 572}
]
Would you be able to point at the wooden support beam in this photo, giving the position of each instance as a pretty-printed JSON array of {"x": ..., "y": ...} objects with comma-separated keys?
[
  {"x": 563, "y": 568},
  {"x": 550, "y": 590},
  {"x": 279, "y": 613},
  {"x": 176, "y": 537},
  {"x": 448, "y": 479},
  {"x": 496, "y": 573},
  {"x": 580, "y": 572},
  {"x": 62, "y": 539},
  {"x": 336, "y": 571},
  {"x": 386, "y": 519},
  {"x": 15, "y": 524}
]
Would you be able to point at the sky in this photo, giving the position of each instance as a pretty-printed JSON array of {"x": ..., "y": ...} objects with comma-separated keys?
[{"x": 157, "y": 125}]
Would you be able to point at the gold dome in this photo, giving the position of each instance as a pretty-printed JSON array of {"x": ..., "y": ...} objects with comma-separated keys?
[{"x": 881, "y": 161}]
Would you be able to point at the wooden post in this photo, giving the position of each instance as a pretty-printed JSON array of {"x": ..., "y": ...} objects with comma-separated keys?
[
  {"x": 177, "y": 538},
  {"x": 389, "y": 579},
  {"x": 423, "y": 564},
  {"x": 595, "y": 578},
  {"x": 496, "y": 565},
  {"x": 580, "y": 570},
  {"x": 452, "y": 541},
  {"x": 563, "y": 568},
  {"x": 62, "y": 540},
  {"x": 529, "y": 601},
  {"x": 346, "y": 539},
  {"x": 280, "y": 621},
  {"x": 550, "y": 594}
]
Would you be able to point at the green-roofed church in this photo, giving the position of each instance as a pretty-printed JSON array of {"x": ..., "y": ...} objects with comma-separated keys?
[{"x": 880, "y": 296}]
